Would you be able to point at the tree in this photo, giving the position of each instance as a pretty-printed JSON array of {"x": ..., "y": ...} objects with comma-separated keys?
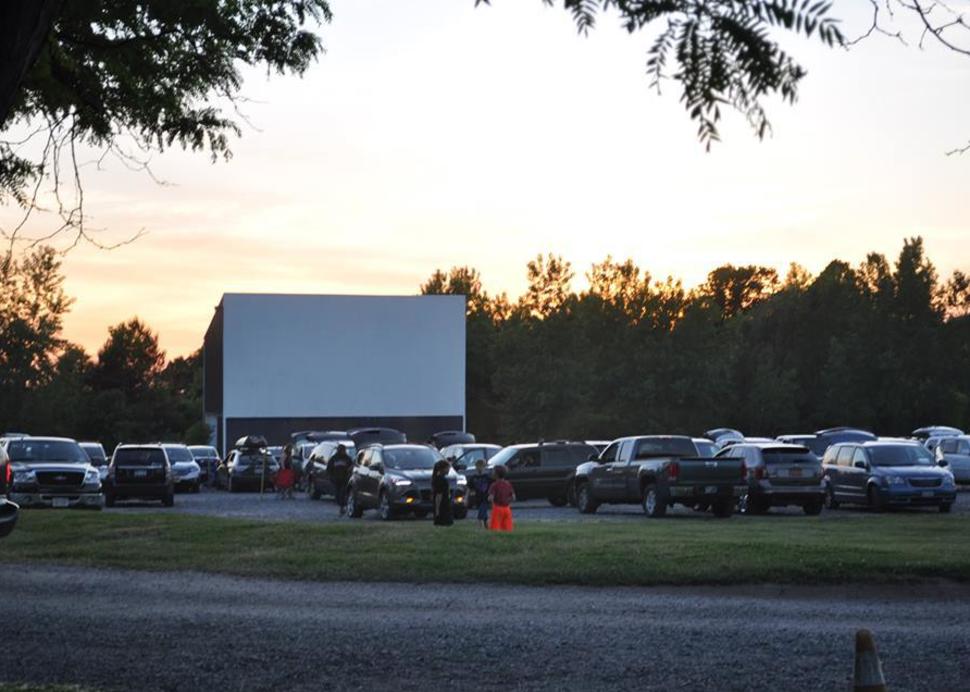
[
  {"x": 549, "y": 279},
  {"x": 736, "y": 289},
  {"x": 94, "y": 73}
]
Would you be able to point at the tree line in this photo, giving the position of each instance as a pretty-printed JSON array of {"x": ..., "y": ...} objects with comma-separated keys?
[
  {"x": 128, "y": 392},
  {"x": 878, "y": 345}
]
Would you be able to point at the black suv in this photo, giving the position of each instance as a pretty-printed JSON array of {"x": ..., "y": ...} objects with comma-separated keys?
[
  {"x": 397, "y": 478},
  {"x": 139, "y": 472},
  {"x": 544, "y": 469}
]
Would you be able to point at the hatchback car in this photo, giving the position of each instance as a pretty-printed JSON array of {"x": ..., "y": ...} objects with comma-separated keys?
[
  {"x": 954, "y": 454},
  {"x": 52, "y": 472},
  {"x": 185, "y": 470},
  {"x": 248, "y": 468},
  {"x": 140, "y": 472},
  {"x": 395, "y": 479},
  {"x": 886, "y": 473},
  {"x": 779, "y": 475}
]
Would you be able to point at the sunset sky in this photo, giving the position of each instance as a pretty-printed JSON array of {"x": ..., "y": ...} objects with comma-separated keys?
[{"x": 434, "y": 134}]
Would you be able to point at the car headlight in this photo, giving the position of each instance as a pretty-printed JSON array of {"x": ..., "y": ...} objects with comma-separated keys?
[
  {"x": 402, "y": 482},
  {"x": 895, "y": 480},
  {"x": 948, "y": 481},
  {"x": 27, "y": 476},
  {"x": 92, "y": 476}
]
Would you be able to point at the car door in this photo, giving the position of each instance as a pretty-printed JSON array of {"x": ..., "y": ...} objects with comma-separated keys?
[
  {"x": 628, "y": 472},
  {"x": 373, "y": 473},
  {"x": 556, "y": 469},
  {"x": 524, "y": 473},
  {"x": 858, "y": 475},
  {"x": 841, "y": 472},
  {"x": 599, "y": 475}
]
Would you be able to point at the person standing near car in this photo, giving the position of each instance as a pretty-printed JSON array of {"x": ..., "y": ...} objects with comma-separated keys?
[
  {"x": 502, "y": 495},
  {"x": 441, "y": 494},
  {"x": 480, "y": 482},
  {"x": 338, "y": 470}
]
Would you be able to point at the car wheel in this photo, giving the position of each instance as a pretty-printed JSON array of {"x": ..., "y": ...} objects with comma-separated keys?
[
  {"x": 945, "y": 508},
  {"x": 584, "y": 499},
  {"x": 354, "y": 510},
  {"x": 874, "y": 501},
  {"x": 169, "y": 500},
  {"x": 385, "y": 509},
  {"x": 654, "y": 506},
  {"x": 558, "y": 501},
  {"x": 813, "y": 508},
  {"x": 830, "y": 501},
  {"x": 109, "y": 500},
  {"x": 723, "y": 508}
]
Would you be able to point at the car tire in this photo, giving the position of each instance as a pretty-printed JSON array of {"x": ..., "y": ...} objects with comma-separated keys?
[
  {"x": 874, "y": 502},
  {"x": 558, "y": 501},
  {"x": 723, "y": 509},
  {"x": 945, "y": 507},
  {"x": 109, "y": 500},
  {"x": 169, "y": 500},
  {"x": 584, "y": 499},
  {"x": 384, "y": 508},
  {"x": 830, "y": 501},
  {"x": 354, "y": 510},
  {"x": 813, "y": 508},
  {"x": 654, "y": 504}
]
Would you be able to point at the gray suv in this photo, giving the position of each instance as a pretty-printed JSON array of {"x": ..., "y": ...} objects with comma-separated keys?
[{"x": 779, "y": 475}]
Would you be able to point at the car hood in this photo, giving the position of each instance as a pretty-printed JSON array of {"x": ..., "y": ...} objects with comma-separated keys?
[
  {"x": 49, "y": 466},
  {"x": 911, "y": 471}
]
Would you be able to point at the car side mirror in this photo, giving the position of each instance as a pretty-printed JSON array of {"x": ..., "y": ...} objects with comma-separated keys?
[
  {"x": 378, "y": 467},
  {"x": 861, "y": 465}
]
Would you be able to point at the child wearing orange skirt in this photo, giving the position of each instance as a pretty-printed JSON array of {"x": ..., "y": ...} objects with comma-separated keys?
[{"x": 502, "y": 495}]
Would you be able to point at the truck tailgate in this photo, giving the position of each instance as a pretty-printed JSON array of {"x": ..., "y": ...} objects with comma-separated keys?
[{"x": 705, "y": 471}]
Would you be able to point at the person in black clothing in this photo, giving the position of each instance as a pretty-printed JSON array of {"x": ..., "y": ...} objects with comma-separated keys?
[
  {"x": 338, "y": 469},
  {"x": 441, "y": 494},
  {"x": 479, "y": 483}
]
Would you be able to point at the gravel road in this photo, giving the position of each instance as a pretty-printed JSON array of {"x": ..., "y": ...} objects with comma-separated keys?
[
  {"x": 301, "y": 508},
  {"x": 123, "y": 630}
]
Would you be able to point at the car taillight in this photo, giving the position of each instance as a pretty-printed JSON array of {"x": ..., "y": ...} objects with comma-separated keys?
[
  {"x": 7, "y": 475},
  {"x": 673, "y": 471}
]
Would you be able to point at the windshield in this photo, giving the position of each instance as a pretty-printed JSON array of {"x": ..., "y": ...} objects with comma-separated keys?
[
  {"x": 501, "y": 457},
  {"x": 411, "y": 458},
  {"x": 139, "y": 457},
  {"x": 51, "y": 451},
  {"x": 706, "y": 449},
  {"x": 204, "y": 452},
  {"x": 901, "y": 455},
  {"x": 178, "y": 454}
]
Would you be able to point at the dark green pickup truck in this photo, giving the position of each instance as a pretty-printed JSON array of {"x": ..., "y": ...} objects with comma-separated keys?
[{"x": 657, "y": 471}]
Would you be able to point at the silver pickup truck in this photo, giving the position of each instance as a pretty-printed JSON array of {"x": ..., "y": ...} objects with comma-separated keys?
[{"x": 658, "y": 471}]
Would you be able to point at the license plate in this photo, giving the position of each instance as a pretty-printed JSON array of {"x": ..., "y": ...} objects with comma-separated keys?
[
  {"x": 141, "y": 473},
  {"x": 61, "y": 502},
  {"x": 795, "y": 473},
  {"x": 927, "y": 493},
  {"x": 710, "y": 490}
]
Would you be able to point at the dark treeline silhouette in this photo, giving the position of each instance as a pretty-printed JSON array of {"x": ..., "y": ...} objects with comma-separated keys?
[
  {"x": 50, "y": 386},
  {"x": 881, "y": 346}
]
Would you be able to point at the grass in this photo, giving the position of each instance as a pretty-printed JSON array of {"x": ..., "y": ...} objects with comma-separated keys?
[{"x": 888, "y": 549}]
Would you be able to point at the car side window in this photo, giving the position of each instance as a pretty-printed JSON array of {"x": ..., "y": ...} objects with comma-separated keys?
[
  {"x": 626, "y": 451},
  {"x": 556, "y": 456},
  {"x": 964, "y": 447},
  {"x": 528, "y": 458},
  {"x": 858, "y": 456},
  {"x": 845, "y": 456},
  {"x": 365, "y": 457},
  {"x": 609, "y": 454}
]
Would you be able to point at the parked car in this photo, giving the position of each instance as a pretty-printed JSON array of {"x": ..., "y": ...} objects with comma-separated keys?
[
  {"x": 923, "y": 434},
  {"x": 816, "y": 445},
  {"x": 185, "y": 470},
  {"x": 97, "y": 457},
  {"x": 953, "y": 453},
  {"x": 830, "y": 436},
  {"x": 318, "y": 481},
  {"x": 395, "y": 479},
  {"x": 440, "y": 440},
  {"x": 705, "y": 447},
  {"x": 248, "y": 466},
  {"x": 363, "y": 437},
  {"x": 721, "y": 435},
  {"x": 208, "y": 460},
  {"x": 465, "y": 456},
  {"x": 543, "y": 470},
  {"x": 140, "y": 472},
  {"x": 657, "y": 471},
  {"x": 884, "y": 473},
  {"x": 52, "y": 472},
  {"x": 779, "y": 475}
]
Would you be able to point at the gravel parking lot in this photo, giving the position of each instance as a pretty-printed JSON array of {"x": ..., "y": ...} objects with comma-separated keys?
[
  {"x": 271, "y": 508},
  {"x": 124, "y": 630}
]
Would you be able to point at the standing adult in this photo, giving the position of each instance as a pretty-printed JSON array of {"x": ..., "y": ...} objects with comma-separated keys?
[
  {"x": 441, "y": 494},
  {"x": 338, "y": 470}
]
